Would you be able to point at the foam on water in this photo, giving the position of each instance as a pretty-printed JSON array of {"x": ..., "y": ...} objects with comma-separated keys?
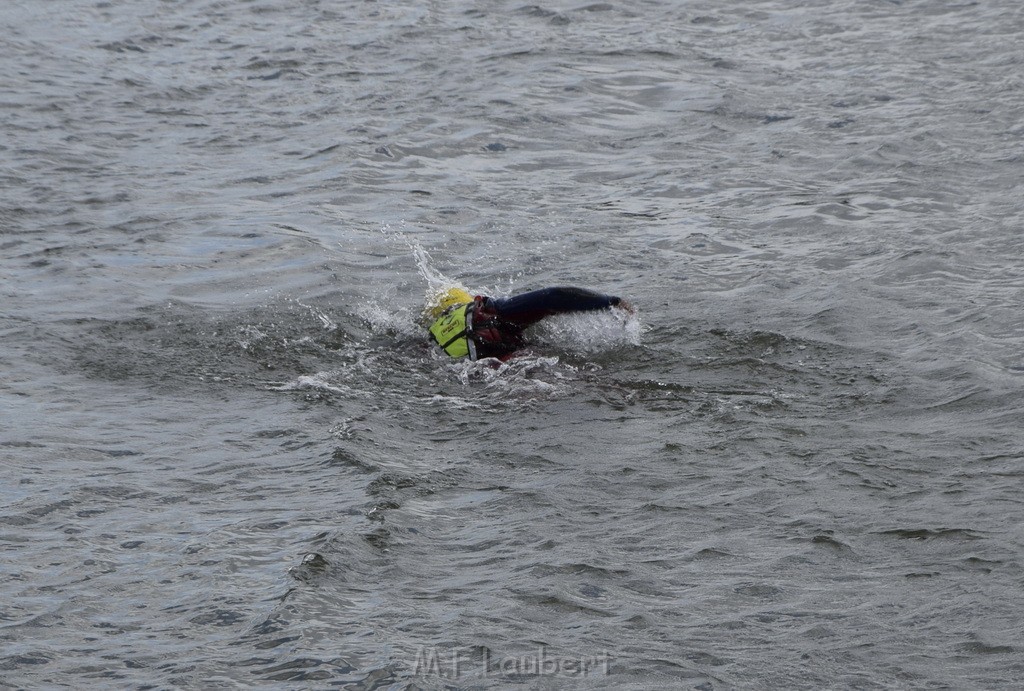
[
  {"x": 388, "y": 318},
  {"x": 592, "y": 332}
]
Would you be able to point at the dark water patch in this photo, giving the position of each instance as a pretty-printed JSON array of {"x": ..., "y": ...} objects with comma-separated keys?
[
  {"x": 344, "y": 458},
  {"x": 219, "y": 617},
  {"x": 832, "y": 543},
  {"x": 979, "y": 648},
  {"x": 761, "y": 591},
  {"x": 538, "y": 12},
  {"x": 710, "y": 553},
  {"x": 183, "y": 347},
  {"x": 313, "y": 566},
  {"x": 302, "y": 669},
  {"x": 388, "y": 482},
  {"x": 13, "y": 662},
  {"x": 958, "y": 534},
  {"x": 118, "y": 453},
  {"x": 560, "y": 605},
  {"x": 981, "y": 565},
  {"x": 577, "y": 570}
]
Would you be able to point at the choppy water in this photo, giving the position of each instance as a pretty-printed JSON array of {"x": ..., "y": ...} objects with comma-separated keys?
[{"x": 230, "y": 459}]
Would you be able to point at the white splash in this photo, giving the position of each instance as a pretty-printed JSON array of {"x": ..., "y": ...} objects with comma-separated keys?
[
  {"x": 319, "y": 314},
  {"x": 386, "y": 318},
  {"x": 321, "y": 381},
  {"x": 437, "y": 283},
  {"x": 249, "y": 336},
  {"x": 591, "y": 332}
]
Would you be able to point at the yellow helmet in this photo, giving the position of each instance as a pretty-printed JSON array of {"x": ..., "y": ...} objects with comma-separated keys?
[{"x": 452, "y": 296}]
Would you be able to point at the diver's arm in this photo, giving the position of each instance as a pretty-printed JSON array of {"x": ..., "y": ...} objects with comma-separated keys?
[{"x": 529, "y": 308}]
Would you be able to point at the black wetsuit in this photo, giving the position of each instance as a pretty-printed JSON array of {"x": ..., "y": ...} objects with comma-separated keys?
[{"x": 498, "y": 323}]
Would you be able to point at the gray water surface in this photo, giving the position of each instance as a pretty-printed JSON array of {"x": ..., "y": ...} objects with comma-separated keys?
[{"x": 230, "y": 458}]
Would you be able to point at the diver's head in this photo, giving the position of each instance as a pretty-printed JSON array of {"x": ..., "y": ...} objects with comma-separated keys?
[{"x": 441, "y": 302}]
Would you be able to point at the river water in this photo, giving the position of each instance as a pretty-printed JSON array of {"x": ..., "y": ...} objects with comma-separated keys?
[{"x": 231, "y": 460}]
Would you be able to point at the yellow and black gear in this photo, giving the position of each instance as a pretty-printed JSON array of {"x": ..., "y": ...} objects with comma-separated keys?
[
  {"x": 439, "y": 302},
  {"x": 453, "y": 331}
]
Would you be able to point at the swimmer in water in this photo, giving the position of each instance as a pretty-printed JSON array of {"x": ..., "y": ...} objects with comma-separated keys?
[{"x": 484, "y": 327}]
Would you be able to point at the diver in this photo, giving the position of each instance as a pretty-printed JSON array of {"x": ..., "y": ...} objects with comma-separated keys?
[{"x": 485, "y": 327}]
